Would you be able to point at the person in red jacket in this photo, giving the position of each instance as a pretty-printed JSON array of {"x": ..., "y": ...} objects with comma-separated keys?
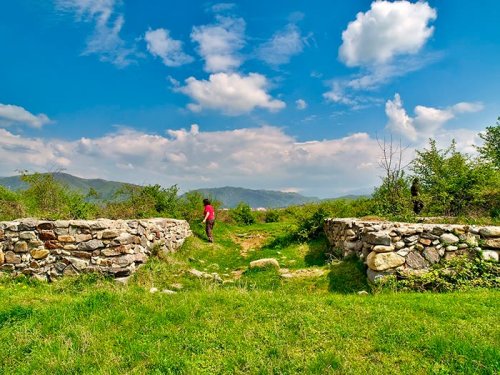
[{"x": 209, "y": 219}]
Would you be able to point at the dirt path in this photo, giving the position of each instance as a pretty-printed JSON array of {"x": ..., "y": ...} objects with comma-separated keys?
[{"x": 249, "y": 242}]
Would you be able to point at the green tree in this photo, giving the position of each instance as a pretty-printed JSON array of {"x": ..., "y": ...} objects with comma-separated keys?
[
  {"x": 451, "y": 181},
  {"x": 243, "y": 214},
  {"x": 490, "y": 150}
]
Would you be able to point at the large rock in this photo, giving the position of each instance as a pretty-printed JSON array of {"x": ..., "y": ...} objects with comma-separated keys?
[
  {"x": 431, "y": 254},
  {"x": 416, "y": 261},
  {"x": 264, "y": 263},
  {"x": 378, "y": 238},
  {"x": 39, "y": 253},
  {"x": 492, "y": 243},
  {"x": 384, "y": 261},
  {"x": 383, "y": 248},
  {"x": 90, "y": 245},
  {"x": 21, "y": 247},
  {"x": 12, "y": 258},
  {"x": 490, "y": 231},
  {"x": 449, "y": 238}
]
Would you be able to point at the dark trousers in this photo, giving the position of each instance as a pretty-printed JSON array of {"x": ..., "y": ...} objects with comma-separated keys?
[{"x": 209, "y": 226}]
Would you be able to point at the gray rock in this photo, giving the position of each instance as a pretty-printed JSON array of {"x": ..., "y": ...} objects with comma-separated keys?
[
  {"x": 490, "y": 231},
  {"x": 375, "y": 277},
  {"x": 492, "y": 243},
  {"x": 383, "y": 248},
  {"x": 449, "y": 238},
  {"x": 490, "y": 255},
  {"x": 168, "y": 291},
  {"x": 264, "y": 263},
  {"x": 431, "y": 254},
  {"x": 378, "y": 238},
  {"x": 90, "y": 245},
  {"x": 451, "y": 248},
  {"x": 29, "y": 236},
  {"x": 416, "y": 261}
]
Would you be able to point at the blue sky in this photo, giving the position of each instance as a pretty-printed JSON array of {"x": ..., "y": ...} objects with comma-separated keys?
[{"x": 283, "y": 95}]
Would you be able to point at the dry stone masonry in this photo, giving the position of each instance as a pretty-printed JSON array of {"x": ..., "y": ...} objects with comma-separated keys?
[
  {"x": 387, "y": 247},
  {"x": 51, "y": 249}
]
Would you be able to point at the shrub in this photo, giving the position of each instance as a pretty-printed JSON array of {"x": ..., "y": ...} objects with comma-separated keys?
[
  {"x": 272, "y": 216},
  {"x": 459, "y": 273},
  {"x": 242, "y": 214}
]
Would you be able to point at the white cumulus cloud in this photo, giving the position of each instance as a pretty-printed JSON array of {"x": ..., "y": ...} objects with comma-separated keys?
[
  {"x": 13, "y": 114},
  {"x": 105, "y": 40},
  {"x": 230, "y": 93},
  {"x": 264, "y": 157},
  {"x": 388, "y": 29},
  {"x": 301, "y": 104},
  {"x": 160, "y": 44},
  {"x": 219, "y": 43},
  {"x": 427, "y": 121},
  {"x": 282, "y": 46}
]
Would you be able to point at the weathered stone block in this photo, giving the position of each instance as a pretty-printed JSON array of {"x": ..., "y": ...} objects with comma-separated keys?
[
  {"x": 449, "y": 238},
  {"x": 383, "y": 261},
  {"x": 39, "y": 253},
  {"x": 416, "y": 261}
]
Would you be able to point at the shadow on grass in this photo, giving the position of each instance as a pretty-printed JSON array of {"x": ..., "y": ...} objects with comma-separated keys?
[
  {"x": 317, "y": 254},
  {"x": 347, "y": 276}
]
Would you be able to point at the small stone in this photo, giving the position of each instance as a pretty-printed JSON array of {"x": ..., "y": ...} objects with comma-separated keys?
[
  {"x": 451, "y": 248},
  {"x": 463, "y": 246},
  {"x": 66, "y": 238},
  {"x": 177, "y": 286},
  {"x": 363, "y": 293},
  {"x": 264, "y": 263},
  {"x": 70, "y": 247},
  {"x": 47, "y": 235},
  {"x": 90, "y": 245},
  {"x": 83, "y": 237},
  {"x": 411, "y": 238},
  {"x": 30, "y": 236},
  {"x": 419, "y": 247},
  {"x": 153, "y": 290},
  {"x": 375, "y": 277},
  {"x": 425, "y": 241},
  {"x": 12, "y": 258},
  {"x": 2, "y": 257},
  {"x": 40, "y": 278},
  {"x": 403, "y": 252},
  {"x": 21, "y": 247},
  {"x": 449, "y": 238},
  {"x": 39, "y": 253},
  {"x": 382, "y": 248},
  {"x": 122, "y": 280},
  {"x": 196, "y": 273},
  {"x": 490, "y": 255},
  {"x": 399, "y": 245},
  {"x": 168, "y": 291},
  {"x": 51, "y": 245}
]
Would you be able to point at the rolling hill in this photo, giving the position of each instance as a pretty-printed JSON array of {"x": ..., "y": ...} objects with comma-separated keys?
[
  {"x": 231, "y": 196},
  {"x": 105, "y": 189}
]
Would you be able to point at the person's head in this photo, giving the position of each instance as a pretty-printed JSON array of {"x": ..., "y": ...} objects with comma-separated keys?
[{"x": 206, "y": 202}]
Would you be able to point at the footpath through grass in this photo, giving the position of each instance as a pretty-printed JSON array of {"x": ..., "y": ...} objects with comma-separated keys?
[{"x": 250, "y": 322}]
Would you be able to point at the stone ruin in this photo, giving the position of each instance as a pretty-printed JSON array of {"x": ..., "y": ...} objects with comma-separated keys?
[
  {"x": 388, "y": 247},
  {"x": 48, "y": 250}
]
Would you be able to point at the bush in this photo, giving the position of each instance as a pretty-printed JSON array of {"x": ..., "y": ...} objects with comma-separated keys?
[
  {"x": 459, "y": 273},
  {"x": 242, "y": 214},
  {"x": 11, "y": 206},
  {"x": 272, "y": 216}
]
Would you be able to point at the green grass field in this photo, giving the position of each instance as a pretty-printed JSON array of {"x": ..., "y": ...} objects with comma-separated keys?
[{"x": 253, "y": 322}]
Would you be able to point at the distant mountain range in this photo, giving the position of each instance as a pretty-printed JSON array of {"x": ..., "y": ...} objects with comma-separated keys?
[
  {"x": 106, "y": 190},
  {"x": 229, "y": 196}
]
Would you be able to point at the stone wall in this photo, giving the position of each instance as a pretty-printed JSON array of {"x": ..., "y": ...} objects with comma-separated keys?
[
  {"x": 51, "y": 249},
  {"x": 387, "y": 247}
]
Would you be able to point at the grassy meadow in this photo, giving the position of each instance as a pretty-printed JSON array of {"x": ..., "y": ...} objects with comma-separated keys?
[{"x": 254, "y": 322}]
